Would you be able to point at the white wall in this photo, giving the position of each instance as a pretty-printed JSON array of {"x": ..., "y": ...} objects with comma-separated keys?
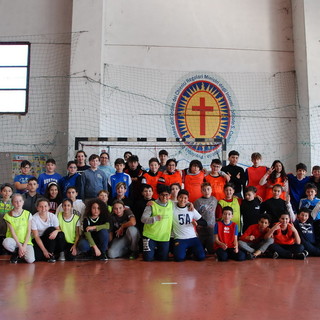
[
  {"x": 245, "y": 42},
  {"x": 222, "y": 36},
  {"x": 47, "y": 25}
]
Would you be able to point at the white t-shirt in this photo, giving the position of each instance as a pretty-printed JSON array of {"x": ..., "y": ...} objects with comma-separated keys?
[
  {"x": 38, "y": 224},
  {"x": 182, "y": 222}
]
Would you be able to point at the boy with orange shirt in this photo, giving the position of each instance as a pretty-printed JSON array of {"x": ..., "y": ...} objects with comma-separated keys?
[
  {"x": 252, "y": 241},
  {"x": 217, "y": 179},
  {"x": 255, "y": 173}
]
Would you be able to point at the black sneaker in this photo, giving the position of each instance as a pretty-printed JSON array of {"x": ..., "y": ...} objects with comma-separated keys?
[
  {"x": 14, "y": 257},
  {"x": 299, "y": 256},
  {"x": 51, "y": 260},
  {"x": 305, "y": 252},
  {"x": 250, "y": 256},
  {"x": 275, "y": 255},
  {"x": 102, "y": 257}
]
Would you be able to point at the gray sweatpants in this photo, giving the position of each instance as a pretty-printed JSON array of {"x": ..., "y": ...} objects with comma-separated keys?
[
  {"x": 254, "y": 246},
  {"x": 11, "y": 245},
  {"x": 126, "y": 244}
]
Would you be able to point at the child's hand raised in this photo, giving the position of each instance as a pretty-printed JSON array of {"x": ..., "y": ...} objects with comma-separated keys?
[{"x": 270, "y": 170}]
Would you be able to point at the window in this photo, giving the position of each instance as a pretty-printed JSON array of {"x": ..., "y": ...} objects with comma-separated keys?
[{"x": 14, "y": 77}]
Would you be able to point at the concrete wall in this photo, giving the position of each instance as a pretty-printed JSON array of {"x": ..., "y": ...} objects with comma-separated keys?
[{"x": 47, "y": 25}]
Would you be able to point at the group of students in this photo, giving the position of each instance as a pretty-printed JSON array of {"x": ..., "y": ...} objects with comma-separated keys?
[{"x": 100, "y": 211}]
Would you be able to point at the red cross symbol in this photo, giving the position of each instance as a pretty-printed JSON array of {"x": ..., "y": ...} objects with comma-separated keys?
[{"x": 202, "y": 109}]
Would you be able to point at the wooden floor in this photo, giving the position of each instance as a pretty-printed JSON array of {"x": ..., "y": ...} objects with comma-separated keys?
[{"x": 123, "y": 289}]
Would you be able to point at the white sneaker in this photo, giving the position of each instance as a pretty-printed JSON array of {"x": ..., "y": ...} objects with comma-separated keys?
[{"x": 62, "y": 257}]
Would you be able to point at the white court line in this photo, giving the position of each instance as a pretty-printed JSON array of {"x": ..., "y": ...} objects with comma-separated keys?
[{"x": 169, "y": 282}]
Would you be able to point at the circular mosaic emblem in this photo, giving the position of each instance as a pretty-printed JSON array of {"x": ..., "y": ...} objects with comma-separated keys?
[{"x": 201, "y": 109}]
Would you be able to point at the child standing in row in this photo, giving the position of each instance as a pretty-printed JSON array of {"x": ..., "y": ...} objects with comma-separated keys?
[
  {"x": 119, "y": 176},
  {"x": 32, "y": 196},
  {"x": 152, "y": 176},
  {"x": 217, "y": 179},
  {"x": 171, "y": 174},
  {"x": 235, "y": 172},
  {"x": 275, "y": 175},
  {"x": 49, "y": 176},
  {"x": 21, "y": 180},
  {"x": 297, "y": 185},
  {"x": 72, "y": 179},
  {"x": 193, "y": 178},
  {"x": 255, "y": 173}
]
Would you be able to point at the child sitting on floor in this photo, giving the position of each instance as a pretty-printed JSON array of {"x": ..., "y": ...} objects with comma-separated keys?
[
  {"x": 70, "y": 225},
  {"x": 96, "y": 229},
  {"x": 185, "y": 237},
  {"x": 226, "y": 238},
  {"x": 287, "y": 242},
  {"x": 305, "y": 227},
  {"x": 252, "y": 241},
  {"x": 125, "y": 236},
  {"x": 18, "y": 237}
]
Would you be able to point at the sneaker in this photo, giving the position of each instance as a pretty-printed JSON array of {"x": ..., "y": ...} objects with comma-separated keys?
[
  {"x": 51, "y": 260},
  {"x": 250, "y": 256},
  {"x": 275, "y": 255},
  {"x": 134, "y": 255},
  {"x": 102, "y": 257},
  {"x": 62, "y": 256},
  {"x": 14, "y": 257},
  {"x": 299, "y": 256}
]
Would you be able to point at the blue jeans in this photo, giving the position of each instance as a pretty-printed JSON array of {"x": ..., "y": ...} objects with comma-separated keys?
[
  {"x": 286, "y": 251},
  {"x": 181, "y": 246},
  {"x": 155, "y": 250},
  {"x": 100, "y": 238},
  {"x": 311, "y": 248},
  {"x": 224, "y": 255}
]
